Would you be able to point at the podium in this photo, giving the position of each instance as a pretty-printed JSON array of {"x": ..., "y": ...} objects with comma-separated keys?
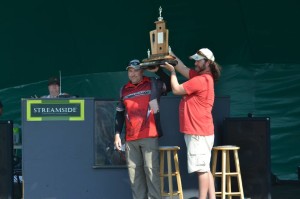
[
  {"x": 58, "y": 150},
  {"x": 50, "y": 150}
]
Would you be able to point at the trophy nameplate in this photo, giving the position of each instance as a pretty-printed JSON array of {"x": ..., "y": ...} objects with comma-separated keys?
[{"x": 159, "y": 40}]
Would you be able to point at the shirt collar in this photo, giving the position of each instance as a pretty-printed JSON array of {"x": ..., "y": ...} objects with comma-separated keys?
[{"x": 130, "y": 85}]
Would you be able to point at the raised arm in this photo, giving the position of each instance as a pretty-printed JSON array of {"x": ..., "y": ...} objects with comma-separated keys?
[
  {"x": 176, "y": 87},
  {"x": 165, "y": 78},
  {"x": 181, "y": 68}
]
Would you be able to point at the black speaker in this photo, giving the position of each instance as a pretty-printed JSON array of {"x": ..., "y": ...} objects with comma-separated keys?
[
  {"x": 6, "y": 160},
  {"x": 252, "y": 135}
]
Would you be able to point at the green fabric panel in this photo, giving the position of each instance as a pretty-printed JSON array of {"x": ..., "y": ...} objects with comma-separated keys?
[
  {"x": 266, "y": 90},
  {"x": 39, "y": 38},
  {"x": 269, "y": 90}
]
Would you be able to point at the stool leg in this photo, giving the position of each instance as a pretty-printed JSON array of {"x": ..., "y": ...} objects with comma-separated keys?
[
  {"x": 237, "y": 165},
  {"x": 162, "y": 173},
  {"x": 170, "y": 174},
  {"x": 176, "y": 163},
  {"x": 228, "y": 178},
  {"x": 214, "y": 163},
  {"x": 223, "y": 174},
  {"x": 214, "y": 167}
]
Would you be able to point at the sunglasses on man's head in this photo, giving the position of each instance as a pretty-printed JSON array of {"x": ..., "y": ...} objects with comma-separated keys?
[
  {"x": 134, "y": 63},
  {"x": 200, "y": 53}
]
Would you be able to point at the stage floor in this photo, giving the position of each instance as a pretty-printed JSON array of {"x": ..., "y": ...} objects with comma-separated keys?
[{"x": 282, "y": 190}]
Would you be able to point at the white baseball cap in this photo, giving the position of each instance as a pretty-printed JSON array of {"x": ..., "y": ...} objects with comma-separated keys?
[{"x": 203, "y": 53}]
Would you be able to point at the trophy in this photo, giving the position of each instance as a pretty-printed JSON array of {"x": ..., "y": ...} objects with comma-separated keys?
[{"x": 160, "y": 50}]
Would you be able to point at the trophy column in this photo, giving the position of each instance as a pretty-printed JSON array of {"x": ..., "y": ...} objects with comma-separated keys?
[{"x": 159, "y": 40}]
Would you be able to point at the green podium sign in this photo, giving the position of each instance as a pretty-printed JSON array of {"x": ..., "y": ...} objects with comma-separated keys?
[{"x": 54, "y": 110}]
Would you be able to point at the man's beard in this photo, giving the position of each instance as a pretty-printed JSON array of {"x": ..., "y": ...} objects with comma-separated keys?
[{"x": 200, "y": 69}]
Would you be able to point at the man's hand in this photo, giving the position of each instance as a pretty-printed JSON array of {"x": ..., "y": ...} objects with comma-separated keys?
[
  {"x": 118, "y": 143},
  {"x": 168, "y": 66}
]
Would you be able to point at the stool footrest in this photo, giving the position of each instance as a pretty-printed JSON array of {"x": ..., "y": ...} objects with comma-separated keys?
[
  {"x": 229, "y": 194},
  {"x": 219, "y": 174},
  {"x": 169, "y": 194},
  {"x": 166, "y": 174}
]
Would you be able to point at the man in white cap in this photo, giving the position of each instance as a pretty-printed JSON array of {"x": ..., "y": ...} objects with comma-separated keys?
[
  {"x": 195, "y": 115},
  {"x": 138, "y": 108}
]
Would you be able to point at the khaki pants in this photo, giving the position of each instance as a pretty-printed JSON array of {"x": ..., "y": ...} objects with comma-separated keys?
[{"x": 143, "y": 167}]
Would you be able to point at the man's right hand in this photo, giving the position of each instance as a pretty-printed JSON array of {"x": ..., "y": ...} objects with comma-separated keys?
[
  {"x": 168, "y": 66},
  {"x": 118, "y": 143}
]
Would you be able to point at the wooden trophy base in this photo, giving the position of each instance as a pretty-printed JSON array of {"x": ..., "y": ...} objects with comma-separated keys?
[{"x": 157, "y": 60}]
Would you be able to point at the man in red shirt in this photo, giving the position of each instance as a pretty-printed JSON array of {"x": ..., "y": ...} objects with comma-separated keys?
[
  {"x": 138, "y": 108},
  {"x": 195, "y": 115}
]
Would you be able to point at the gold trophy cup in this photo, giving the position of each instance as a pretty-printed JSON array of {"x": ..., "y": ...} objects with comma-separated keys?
[{"x": 160, "y": 50}]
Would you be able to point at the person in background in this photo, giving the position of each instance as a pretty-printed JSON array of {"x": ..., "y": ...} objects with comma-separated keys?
[
  {"x": 138, "y": 108},
  {"x": 54, "y": 89},
  {"x": 1, "y": 108},
  {"x": 195, "y": 114}
]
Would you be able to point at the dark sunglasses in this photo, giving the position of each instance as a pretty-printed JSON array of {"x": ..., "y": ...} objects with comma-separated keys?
[
  {"x": 200, "y": 53},
  {"x": 134, "y": 63}
]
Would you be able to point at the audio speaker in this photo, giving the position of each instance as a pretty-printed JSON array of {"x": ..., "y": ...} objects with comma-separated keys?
[
  {"x": 252, "y": 135},
  {"x": 6, "y": 160}
]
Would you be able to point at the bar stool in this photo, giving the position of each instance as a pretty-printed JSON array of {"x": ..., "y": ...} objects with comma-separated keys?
[
  {"x": 170, "y": 173},
  {"x": 225, "y": 173}
]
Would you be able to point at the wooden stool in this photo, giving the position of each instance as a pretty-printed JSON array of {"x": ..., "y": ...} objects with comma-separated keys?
[
  {"x": 170, "y": 174},
  {"x": 226, "y": 174}
]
